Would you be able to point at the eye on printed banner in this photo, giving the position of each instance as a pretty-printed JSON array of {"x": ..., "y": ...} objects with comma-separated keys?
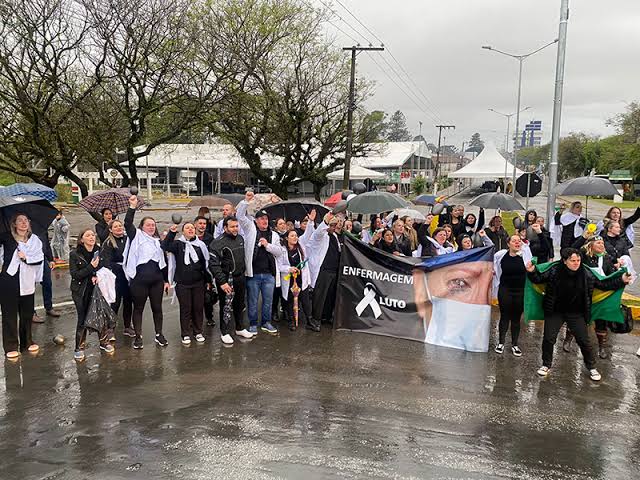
[{"x": 442, "y": 300}]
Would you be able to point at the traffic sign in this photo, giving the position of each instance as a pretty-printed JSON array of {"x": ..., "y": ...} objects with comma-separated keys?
[{"x": 535, "y": 184}]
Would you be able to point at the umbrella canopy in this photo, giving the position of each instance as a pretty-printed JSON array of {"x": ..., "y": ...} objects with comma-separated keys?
[
  {"x": 294, "y": 210},
  {"x": 407, "y": 212},
  {"x": 428, "y": 200},
  {"x": 34, "y": 189},
  {"x": 261, "y": 200},
  {"x": 588, "y": 186},
  {"x": 376, "y": 202},
  {"x": 356, "y": 172},
  {"x": 494, "y": 200},
  {"x": 115, "y": 199},
  {"x": 210, "y": 201},
  {"x": 333, "y": 200},
  {"x": 40, "y": 212}
]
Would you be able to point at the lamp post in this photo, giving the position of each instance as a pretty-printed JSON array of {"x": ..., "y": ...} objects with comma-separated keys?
[
  {"x": 520, "y": 59},
  {"x": 506, "y": 145}
]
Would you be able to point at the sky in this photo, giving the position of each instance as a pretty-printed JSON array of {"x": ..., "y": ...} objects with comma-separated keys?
[{"x": 438, "y": 43}]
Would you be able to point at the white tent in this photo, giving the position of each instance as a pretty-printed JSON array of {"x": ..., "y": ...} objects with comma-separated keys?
[
  {"x": 488, "y": 165},
  {"x": 356, "y": 172}
]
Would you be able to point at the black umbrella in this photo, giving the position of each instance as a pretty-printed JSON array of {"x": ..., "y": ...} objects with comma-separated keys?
[
  {"x": 493, "y": 200},
  {"x": 294, "y": 210},
  {"x": 376, "y": 202},
  {"x": 589, "y": 187},
  {"x": 40, "y": 212}
]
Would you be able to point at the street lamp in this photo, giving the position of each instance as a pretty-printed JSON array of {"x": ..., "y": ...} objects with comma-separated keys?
[
  {"x": 506, "y": 145},
  {"x": 520, "y": 59}
]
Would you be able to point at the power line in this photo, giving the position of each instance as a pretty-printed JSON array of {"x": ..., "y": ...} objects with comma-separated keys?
[
  {"x": 345, "y": 22},
  {"x": 358, "y": 20}
]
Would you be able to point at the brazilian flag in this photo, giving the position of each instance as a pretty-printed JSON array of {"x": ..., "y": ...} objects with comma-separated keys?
[{"x": 605, "y": 304}]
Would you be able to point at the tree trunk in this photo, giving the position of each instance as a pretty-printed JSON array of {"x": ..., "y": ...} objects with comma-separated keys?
[
  {"x": 317, "y": 188},
  {"x": 84, "y": 189}
]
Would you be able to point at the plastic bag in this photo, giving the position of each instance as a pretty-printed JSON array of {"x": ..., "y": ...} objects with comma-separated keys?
[
  {"x": 100, "y": 316},
  {"x": 627, "y": 325}
]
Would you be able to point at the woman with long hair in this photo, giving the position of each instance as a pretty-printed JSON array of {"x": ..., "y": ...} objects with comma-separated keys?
[
  {"x": 104, "y": 219},
  {"x": 510, "y": 274},
  {"x": 438, "y": 244},
  {"x": 146, "y": 267},
  {"x": 112, "y": 254},
  {"x": 22, "y": 268},
  {"x": 375, "y": 224},
  {"x": 293, "y": 268},
  {"x": 84, "y": 263},
  {"x": 386, "y": 242},
  {"x": 497, "y": 233},
  {"x": 540, "y": 241},
  {"x": 451, "y": 239},
  {"x": 626, "y": 224},
  {"x": 615, "y": 241},
  {"x": 410, "y": 232}
]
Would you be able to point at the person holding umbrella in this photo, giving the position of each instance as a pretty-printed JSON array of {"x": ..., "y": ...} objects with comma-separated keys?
[
  {"x": 84, "y": 263},
  {"x": 112, "y": 254},
  {"x": 22, "y": 268},
  {"x": 146, "y": 267},
  {"x": 227, "y": 266}
]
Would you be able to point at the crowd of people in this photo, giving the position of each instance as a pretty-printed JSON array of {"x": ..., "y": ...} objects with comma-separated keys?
[{"x": 277, "y": 269}]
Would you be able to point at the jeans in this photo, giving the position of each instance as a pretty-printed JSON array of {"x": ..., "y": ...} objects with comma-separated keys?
[
  {"x": 47, "y": 289},
  {"x": 261, "y": 283}
]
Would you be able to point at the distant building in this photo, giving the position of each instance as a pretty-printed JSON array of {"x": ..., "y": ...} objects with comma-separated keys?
[{"x": 531, "y": 136}]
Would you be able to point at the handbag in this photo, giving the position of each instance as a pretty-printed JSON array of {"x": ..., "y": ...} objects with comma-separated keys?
[{"x": 627, "y": 325}]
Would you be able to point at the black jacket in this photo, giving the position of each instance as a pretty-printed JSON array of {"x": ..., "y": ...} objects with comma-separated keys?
[
  {"x": 403, "y": 244},
  {"x": 207, "y": 238},
  {"x": 191, "y": 274},
  {"x": 112, "y": 257},
  {"x": 102, "y": 230},
  {"x": 385, "y": 247},
  {"x": 555, "y": 292},
  {"x": 616, "y": 246},
  {"x": 227, "y": 257},
  {"x": 567, "y": 239},
  {"x": 541, "y": 246},
  {"x": 81, "y": 273}
]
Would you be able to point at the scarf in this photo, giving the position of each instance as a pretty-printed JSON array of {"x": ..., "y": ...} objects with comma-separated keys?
[
  {"x": 31, "y": 269},
  {"x": 440, "y": 249},
  {"x": 142, "y": 249},
  {"x": 190, "y": 255}
]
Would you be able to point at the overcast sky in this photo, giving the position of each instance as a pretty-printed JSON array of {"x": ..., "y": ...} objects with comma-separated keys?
[{"x": 439, "y": 43}]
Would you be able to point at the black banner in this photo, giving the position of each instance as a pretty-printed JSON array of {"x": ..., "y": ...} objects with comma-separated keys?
[{"x": 375, "y": 293}]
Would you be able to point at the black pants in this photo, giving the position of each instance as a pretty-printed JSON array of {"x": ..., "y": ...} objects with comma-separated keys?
[
  {"x": 324, "y": 295},
  {"x": 277, "y": 297},
  {"x": 511, "y": 301},
  {"x": 239, "y": 295},
  {"x": 123, "y": 297},
  {"x": 578, "y": 326},
  {"x": 82, "y": 305},
  {"x": 304, "y": 307},
  {"x": 191, "y": 299},
  {"x": 15, "y": 336},
  {"x": 148, "y": 283},
  {"x": 208, "y": 307}
]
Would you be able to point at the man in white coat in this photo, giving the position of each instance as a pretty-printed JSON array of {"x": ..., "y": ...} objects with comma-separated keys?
[
  {"x": 261, "y": 249},
  {"x": 325, "y": 248}
]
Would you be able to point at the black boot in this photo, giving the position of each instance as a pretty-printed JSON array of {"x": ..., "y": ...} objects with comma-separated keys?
[
  {"x": 313, "y": 325},
  {"x": 603, "y": 350}
]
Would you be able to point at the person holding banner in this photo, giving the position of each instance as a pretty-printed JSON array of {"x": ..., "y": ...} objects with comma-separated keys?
[
  {"x": 568, "y": 226},
  {"x": 510, "y": 274},
  {"x": 324, "y": 265},
  {"x": 567, "y": 299},
  {"x": 465, "y": 242}
]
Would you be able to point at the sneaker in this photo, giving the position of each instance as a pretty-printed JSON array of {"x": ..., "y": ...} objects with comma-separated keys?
[
  {"x": 267, "y": 327},
  {"x": 244, "y": 333},
  {"x": 37, "y": 319},
  {"x": 499, "y": 348},
  {"x": 253, "y": 330},
  {"x": 112, "y": 337},
  {"x": 53, "y": 313},
  {"x": 137, "y": 343},
  {"x": 544, "y": 371},
  {"x": 160, "y": 340},
  {"x": 226, "y": 339},
  {"x": 107, "y": 348},
  {"x": 200, "y": 338},
  {"x": 186, "y": 340},
  {"x": 129, "y": 332},
  {"x": 78, "y": 355},
  {"x": 516, "y": 351},
  {"x": 13, "y": 354},
  {"x": 595, "y": 375}
]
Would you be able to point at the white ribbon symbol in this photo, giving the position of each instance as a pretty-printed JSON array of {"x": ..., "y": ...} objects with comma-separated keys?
[{"x": 369, "y": 299}]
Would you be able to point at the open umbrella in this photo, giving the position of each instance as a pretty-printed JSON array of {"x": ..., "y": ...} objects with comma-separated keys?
[
  {"x": 34, "y": 189},
  {"x": 294, "y": 210},
  {"x": 429, "y": 200},
  {"x": 115, "y": 199},
  {"x": 40, "y": 212},
  {"x": 210, "y": 201},
  {"x": 376, "y": 202},
  {"x": 260, "y": 201},
  {"x": 589, "y": 187},
  {"x": 333, "y": 200},
  {"x": 496, "y": 201},
  {"x": 407, "y": 212}
]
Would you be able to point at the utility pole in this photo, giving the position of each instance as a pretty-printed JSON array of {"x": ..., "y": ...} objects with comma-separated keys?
[
  {"x": 437, "y": 166},
  {"x": 351, "y": 107},
  {"x": 557, "y": 111}
]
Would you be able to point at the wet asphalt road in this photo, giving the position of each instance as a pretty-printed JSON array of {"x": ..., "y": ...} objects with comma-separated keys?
[{"x": 305, "y": 405}]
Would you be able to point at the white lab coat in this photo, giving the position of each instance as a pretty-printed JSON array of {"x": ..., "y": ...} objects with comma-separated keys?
[{"x": 317, "y": 248}]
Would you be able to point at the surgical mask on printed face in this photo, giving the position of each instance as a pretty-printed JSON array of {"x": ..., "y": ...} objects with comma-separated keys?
[{"x": 465, "y": 326}]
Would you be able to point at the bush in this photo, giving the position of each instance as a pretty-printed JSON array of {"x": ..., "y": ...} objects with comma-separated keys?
[
  {"x": 419, "y": 185},
  {"x": 64, "y": 192}
]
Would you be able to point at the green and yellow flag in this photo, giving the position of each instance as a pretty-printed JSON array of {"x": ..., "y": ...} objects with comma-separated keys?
[{"x": 605, "y": 304}]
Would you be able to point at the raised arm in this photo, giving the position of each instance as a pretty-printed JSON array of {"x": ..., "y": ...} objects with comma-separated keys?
[
  {"x": 169, "y": 244},
  {"x": 128, "y": 218},
  {"x": 633, "y": 218}
]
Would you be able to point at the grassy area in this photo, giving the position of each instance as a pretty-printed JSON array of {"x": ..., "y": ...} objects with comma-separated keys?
[{"x": 631, "y": 204}]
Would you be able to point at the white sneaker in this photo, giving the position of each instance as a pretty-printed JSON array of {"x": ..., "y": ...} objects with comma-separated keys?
[
  {"x": 200, "y": 338},
  {"x": 226, "y": 339},
  {"x": 544, "y": 371},
  {"x": 186, "y": 340},
  {"x": 638, "y": 352},
  {"x": 595, "y": 375},
  {"x": 499, "y": 348},
  {"x": 244, "y": 333}
]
